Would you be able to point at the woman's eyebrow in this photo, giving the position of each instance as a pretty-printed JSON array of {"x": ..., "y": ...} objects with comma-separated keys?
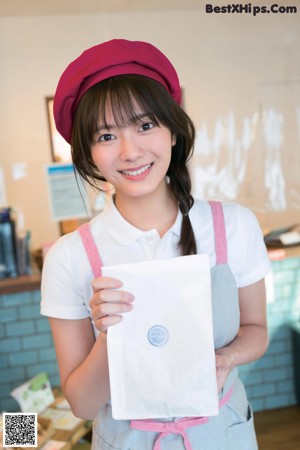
[
  {"x": 142, "y": 115},
  {"x": 109, "y": 127},
  {"x": 106, "y": 126}
]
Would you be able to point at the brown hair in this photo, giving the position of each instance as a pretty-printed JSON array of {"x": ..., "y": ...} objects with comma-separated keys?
[{"x": 124, "y": 92}]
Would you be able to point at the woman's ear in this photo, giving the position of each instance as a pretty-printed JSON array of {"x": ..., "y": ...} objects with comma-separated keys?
[{"x": 174, "y": 139}]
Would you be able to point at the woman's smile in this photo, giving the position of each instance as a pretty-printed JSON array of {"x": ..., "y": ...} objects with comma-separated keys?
[{"x": 138, "y": 172}]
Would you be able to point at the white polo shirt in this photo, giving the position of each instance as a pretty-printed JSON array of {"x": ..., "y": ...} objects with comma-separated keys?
[{"x": 67, "y": 275}]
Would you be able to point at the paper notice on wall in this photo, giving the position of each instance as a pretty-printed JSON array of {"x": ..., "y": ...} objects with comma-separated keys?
[
  {"x": 19, "y": 171},
  {"x": 3, "y": 201},
  {"x": 68, "y": 197}
]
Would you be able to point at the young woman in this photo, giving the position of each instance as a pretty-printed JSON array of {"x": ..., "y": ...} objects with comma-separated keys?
[{"x": 118, "y": 104}]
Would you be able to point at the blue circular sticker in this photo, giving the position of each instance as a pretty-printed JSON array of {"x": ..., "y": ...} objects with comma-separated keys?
[{"x": 158, "y": 335}]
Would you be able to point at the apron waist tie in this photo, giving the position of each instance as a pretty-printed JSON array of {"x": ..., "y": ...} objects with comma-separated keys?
[{"x": 176, "y": 427}]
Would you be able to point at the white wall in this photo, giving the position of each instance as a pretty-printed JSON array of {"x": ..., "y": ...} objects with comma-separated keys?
[{"x": 224, "y": 62}]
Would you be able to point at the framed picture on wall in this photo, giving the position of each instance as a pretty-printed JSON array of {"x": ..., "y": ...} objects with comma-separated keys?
[{"x": 61, "y": 150}]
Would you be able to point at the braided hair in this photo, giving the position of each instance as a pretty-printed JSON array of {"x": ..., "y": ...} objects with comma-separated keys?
[{"x": 123, "y": 93}]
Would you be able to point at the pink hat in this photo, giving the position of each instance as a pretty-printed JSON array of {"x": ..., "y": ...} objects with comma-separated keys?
[{"x": 115, "y": 57}]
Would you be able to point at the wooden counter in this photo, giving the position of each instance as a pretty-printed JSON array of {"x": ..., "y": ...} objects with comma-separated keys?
[{"x": 20, "y": 284}]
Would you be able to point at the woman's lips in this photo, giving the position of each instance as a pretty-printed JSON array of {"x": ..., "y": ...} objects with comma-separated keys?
[{"x": 136, "y": 172}]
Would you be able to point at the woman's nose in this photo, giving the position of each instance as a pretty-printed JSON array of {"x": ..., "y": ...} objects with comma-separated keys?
[{"x": 130, "y": 148}]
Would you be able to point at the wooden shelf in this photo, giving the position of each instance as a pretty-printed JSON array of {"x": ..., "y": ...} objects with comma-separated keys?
[{"x": 20, "y": 284}]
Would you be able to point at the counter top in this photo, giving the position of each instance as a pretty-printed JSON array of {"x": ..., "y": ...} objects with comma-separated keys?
[{"x": 20, "y": 284}]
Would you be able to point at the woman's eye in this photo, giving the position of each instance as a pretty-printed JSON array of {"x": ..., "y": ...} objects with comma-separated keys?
[
  {"x": 146, "y": 126},
  {"x": 106, "y": 137}
]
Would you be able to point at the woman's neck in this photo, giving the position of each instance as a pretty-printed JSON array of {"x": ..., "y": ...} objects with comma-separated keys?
[{"x": 149, "y": 212}]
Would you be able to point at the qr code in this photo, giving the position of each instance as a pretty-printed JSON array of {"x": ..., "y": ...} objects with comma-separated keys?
[{"x": 19, "y": 430}]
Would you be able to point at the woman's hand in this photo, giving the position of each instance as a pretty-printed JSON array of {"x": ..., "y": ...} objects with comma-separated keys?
[
  {"x": 251, "y": 341},
  {"x": 108, "y": 302},
  {"x": 223, "y": 366}
]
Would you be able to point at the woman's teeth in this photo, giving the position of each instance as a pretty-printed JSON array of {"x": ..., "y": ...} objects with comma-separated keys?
[{"x": 134, "y": 173}]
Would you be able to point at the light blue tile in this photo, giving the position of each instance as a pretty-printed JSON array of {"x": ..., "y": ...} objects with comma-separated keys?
[
  {"x": 3, "y": 360},
  {"x": 275, "y": 347},
  {"x": 288, "y": 346},
  {"x": 291, "y": 263},
  {"x": 2, "y": 331},
  {"x": 43, "y": 325},
  {"x": 36, "y": 295},
  {"x": 258, "y": 404},
  {"x": 47, "y": 354},
  {"x": 37, "y": 341},
  {"x": 285, "y": 277},
  {"x": 8, "y": 315},
  {"x": 275, "y": 375},
  {"x": 277, "y": 266},
  {"x": 288, "y": 291},
  {"x": 276, "y": 320},
  {"x": 9, "y": 345},
  {"x": 23, "y": 358},
  {"x": 9, "y": 405},
  {"x": 54, "y": 380},
  {"x": 29, "y": 312},
  {"x": 293, "y": 315},
  {"x": 286, "y": 387},
  {"x": 5, "y": 389},
  {"x": 19, "y": 299},
  {"x": 264, "y": 390},
  {"x": 290, "y": 371},
  {"x": 20, "y": 328},
  {"x": 12, "y": 374},
  {"x": 51, "y": 368},
  {"x": 283, "y": 359},
  {"x": 266, "y": 362},
  {"x": 280, "y": 333}
]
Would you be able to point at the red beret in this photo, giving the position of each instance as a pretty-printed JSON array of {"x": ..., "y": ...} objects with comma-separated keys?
[{"x": 115, "y": 57}]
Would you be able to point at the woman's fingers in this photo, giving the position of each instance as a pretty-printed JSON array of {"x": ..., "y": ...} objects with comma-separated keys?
[
  {"x": 105, "y": 283},
  {"x": 107, "y": 309},
  {"x": 106, "y": 322},
  {"x": 108, "y": 314},
  {"x": 108, "y": 302}
]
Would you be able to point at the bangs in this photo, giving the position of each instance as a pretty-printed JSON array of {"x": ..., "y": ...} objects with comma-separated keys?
[{"x": 127, "y": 98}]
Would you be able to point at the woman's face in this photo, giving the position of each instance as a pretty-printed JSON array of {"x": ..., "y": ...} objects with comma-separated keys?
[{"x": 134, "y": 158}]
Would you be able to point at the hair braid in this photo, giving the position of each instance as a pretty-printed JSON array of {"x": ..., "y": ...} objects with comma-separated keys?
[{"x": 180, "y": 183}]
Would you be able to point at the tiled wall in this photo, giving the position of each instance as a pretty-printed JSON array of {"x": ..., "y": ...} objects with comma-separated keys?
[
  {"x": 270, "y": 380},
  {"x": 27, "y": 347}
]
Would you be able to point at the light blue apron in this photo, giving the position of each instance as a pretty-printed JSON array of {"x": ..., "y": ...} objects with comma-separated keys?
[{"x": 233, "y": 428}]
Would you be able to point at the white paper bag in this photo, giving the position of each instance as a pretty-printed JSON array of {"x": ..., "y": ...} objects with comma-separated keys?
[{"x": 161, "y": 355}]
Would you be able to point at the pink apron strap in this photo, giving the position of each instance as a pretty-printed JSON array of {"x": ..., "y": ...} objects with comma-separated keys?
[
  {"x": 219, "y": 231},
  {"x": 91, "y": 249},
  {"x": 176, "y": 427}
]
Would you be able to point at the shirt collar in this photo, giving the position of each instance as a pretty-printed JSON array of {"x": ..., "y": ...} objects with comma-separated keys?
[{"x": 123, "y": 232}]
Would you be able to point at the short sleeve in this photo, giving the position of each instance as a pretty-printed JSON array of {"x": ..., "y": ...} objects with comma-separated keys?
[
  {"x": 62, "y": 296},
  {"x": 255, "y": 263}
]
